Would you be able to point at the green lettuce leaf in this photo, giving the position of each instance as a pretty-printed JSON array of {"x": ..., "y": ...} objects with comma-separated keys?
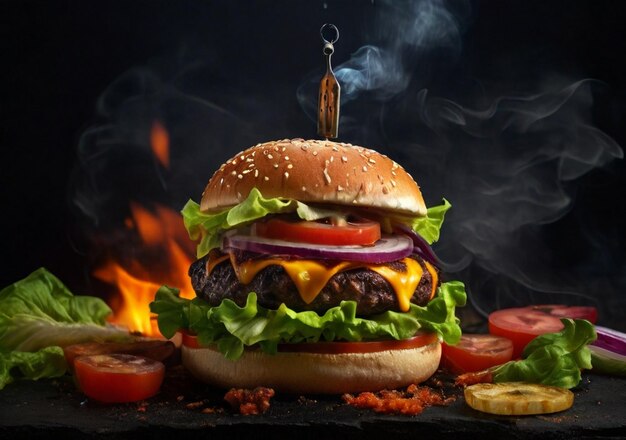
[
  {"x": 39, "y": 311},
  {"x": 39, "y": 316},
  {"x": 47, "y": 362},
  {"x": 232, "y": 327},
  {"x": 207, "y": 228},
  {"x": 428, "y": 227},
  {"x": 554, "y": 358}
]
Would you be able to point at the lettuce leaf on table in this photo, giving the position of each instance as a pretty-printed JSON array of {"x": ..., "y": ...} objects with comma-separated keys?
[
  {"x": 38, "y": 316},
  {"x": 553, "y": 358},
  {"x": 232, "y": 327}
]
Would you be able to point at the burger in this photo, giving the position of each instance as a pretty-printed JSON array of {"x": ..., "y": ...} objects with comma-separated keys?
[{"x": 314, "y": 274}]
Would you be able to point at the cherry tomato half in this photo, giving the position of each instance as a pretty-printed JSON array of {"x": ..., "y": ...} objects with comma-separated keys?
[
  {"x": 337, "y": 347},
  {"x": 476, "y": 352},
  {"x": 153, "y": 349},
  {"x": 117, "y": 378},
  {"x": 358, "y": 233},
  {"x": 522, "y": 325}
]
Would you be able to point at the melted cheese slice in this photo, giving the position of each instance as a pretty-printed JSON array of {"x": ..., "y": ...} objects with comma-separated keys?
[{"x": 310, "y": 276}]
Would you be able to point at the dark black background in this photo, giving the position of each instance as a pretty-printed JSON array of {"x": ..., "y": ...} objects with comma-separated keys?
[{"x": 58, "y": 57}]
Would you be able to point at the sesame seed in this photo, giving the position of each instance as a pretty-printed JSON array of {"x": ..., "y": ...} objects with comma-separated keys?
[
  {"x": 344, "y": 159},
  {"x": 304, "y": 188},
  {"x": 234, "y": 162},
  {"x": 242, "y": 157},
  {"x": 304, "y": 147},
  {"x": 286, "y": 175},
  {"x": 221, "y": 181},
  {"x": 253, "y": 153},
  {"x": 339, "y": 188},
  {"x": 275, "y": 165},
  {"x": 385, "y": 190},
  {"x": 283, "y": 149},
  {"x": 246, "y": 171},
  {"x": 393, "y": 173},
  {"x": 251, "y": 165},
  {"x": 227, "y": 185},
  {"x": 332, "y": 158},
  {"x": 290, "y": 166},
  {"x": 393, "y": 183},
  {"x": 238, "y": 195},
  {"x": 256, "y": 173},
  {"x": 364, "y": 168},
  {"x": 266, "y": 178},
  {"x": 239, "y": 176},
  {"x": 372, "y": 160},
  {"x": 315, "y": 153},
  {"x": 335, "y": 148},
  {"x": 249, "y": 159},
  {"x": 286, "y": 157},
  {"x": 269, "y": 156},
  {"x": 327, "y": 176},
  {"x": 234, "y": 173},
  {"x": 276, "y": 148}
]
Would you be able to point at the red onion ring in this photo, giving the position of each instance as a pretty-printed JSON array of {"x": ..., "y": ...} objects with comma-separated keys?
[
  {"x": 421, "y": 247},
  {"x": 611, "y": 340},
  {"x": 388, "y": 248}
]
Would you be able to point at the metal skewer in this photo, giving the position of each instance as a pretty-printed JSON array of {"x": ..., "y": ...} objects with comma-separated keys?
[{"x": 330, "y": 91}]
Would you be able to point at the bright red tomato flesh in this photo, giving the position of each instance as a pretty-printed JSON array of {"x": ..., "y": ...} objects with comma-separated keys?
[
  {"x": 359, "y": 233},
  {"x": 337, "y": 347},
  {"x": 476, "y": 353},
  {"x": 118, "y": 378},
  {"x": 522, "y": 325}
]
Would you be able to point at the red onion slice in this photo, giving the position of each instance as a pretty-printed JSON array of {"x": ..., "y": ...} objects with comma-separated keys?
[
  {"x": 388, "y": 248},
  {"x": 611, "y": 340},
  {"x": 422, "y": 248}
]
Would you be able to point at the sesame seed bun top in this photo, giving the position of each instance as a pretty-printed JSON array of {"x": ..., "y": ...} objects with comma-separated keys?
[{"x": 315, "y": 171}]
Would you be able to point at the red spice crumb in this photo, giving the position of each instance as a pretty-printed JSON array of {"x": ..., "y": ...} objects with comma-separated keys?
[
  {"x": 410, "y": 402},
  {"x": 249, "y": 402},
  {"x": 485, "y": 376},
  {"x": 194, "y": 405},
  {"x": 212, "y": 410}
]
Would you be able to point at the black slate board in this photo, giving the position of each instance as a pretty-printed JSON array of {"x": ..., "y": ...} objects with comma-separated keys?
[{"x": 50, "y": 408}]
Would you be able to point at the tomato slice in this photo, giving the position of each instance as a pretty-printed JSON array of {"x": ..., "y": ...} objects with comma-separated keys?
[
  {"x": 189, "y": 339},
  {"x": 154, "y": 349},
  {"x": 524, "y": 324},
  {"x": 337, "y": 347},
  {"x": 117, "y": 378},
  {"x": 352, "y": 233},
  {"x": 476, "y": 352}
]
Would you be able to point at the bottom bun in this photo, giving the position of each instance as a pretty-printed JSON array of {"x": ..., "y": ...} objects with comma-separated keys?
[{"x": 313, "y": 372}]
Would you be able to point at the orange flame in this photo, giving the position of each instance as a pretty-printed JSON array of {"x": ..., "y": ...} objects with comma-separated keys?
[
  {"x": 163, "y": 234},
  {"x": 160, "y": 143}
]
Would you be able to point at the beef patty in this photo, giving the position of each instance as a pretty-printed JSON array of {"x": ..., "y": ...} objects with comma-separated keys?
[{"x": 273, "y": 286}]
